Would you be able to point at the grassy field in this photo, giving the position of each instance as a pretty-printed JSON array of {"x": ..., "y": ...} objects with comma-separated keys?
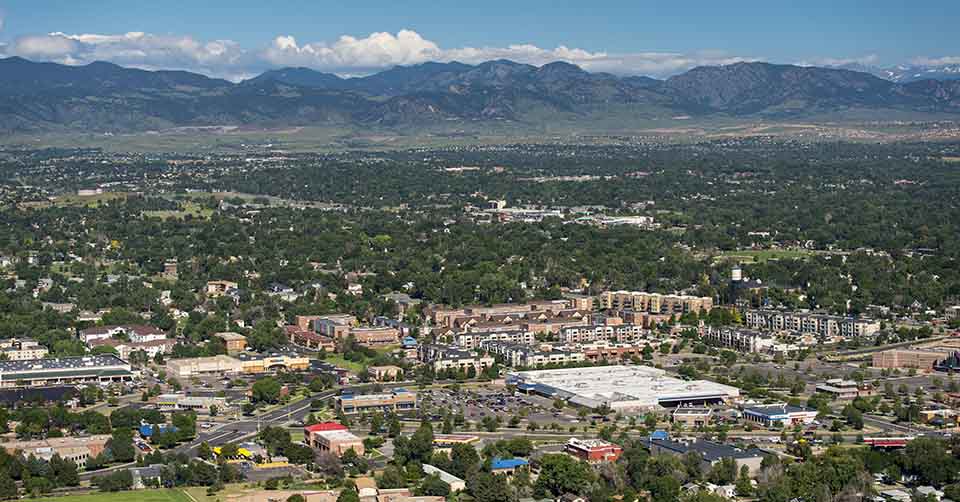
[
  {"x": 188, "y": 209},
  {"x": 77, "y": 200},
  {"x": 762, "y": 255},
  {"x": 343, "y": 363},
  {"x": 160, "y": 495}
]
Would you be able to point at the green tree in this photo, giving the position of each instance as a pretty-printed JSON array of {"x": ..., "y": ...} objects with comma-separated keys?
[{"x": 561, "y": 474}]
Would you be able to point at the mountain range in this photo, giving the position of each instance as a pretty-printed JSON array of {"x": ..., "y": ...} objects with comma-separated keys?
[{"x": 106, "y": 97}]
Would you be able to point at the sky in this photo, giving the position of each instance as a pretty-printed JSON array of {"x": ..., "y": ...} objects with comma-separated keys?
[{"x": 241, "y": 38}]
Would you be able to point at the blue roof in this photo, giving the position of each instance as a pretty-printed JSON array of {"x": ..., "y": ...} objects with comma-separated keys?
[
  {"x": 660, "y": 435},
  {"x": 507, "y": 463},
  {"x": 147, "y": 429},
  {"x": 409, "y": 341}
]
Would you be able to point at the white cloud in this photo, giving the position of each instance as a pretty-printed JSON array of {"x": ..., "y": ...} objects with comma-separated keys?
[
  {"x": 941, "y": 61},
  {"x": 348, "y": 55},
  {"x": 377, "y": 51},
  {"x": 868, "y": 60}
]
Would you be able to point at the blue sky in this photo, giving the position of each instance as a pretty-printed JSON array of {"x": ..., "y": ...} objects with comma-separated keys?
[{"x": 242, "y": 37}]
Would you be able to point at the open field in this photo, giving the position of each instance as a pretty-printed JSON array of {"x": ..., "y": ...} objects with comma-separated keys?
[
  {"x": 338, "y": 360},
  {"x": 74, "y": 200},
  {"x": 158, "y": 495},
  {"x": 762, "y": 255},
  {"x": 605, "y": 127},
  {"x": 187, "y": 209}
]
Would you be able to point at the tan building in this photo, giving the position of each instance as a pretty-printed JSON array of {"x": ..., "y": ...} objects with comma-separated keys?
[
  {"x": 655, "y": 303},
  {"x": 396, "y": 400},
  {"x": 16, "y": 349},
  {"x": 235, "y": 342},
  {"x": 376, "y": 337},
  {"x": 332, "y": 437},
  {"x": 692, "y": 417},
  {"x": 185, "y": 368},
  {"x": 256, "y": 364},
  {"x": 906, "y": 358},
  {"x": 219, "y": 288},
  {"x": 77, "y": 449},
  {"x": 824, "y": 325},
  {"x": 309, "y": 339},
  {"x": 385, "y": 373}
]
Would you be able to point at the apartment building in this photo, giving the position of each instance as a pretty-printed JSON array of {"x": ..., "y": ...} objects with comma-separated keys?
[
  {"x": 21, "y": 349},
  {"x": 622, "y": 333},
  {"x": 525, "y": 356},
  {"x": 135, "y": 333},
  {"x": 443, "y": 358},
  {"x": 376, "y": 336},
  {"x": 341, "y": 326},
  {"x": 740, "y": 340},
  {"x": 823, "y": 325},
  {"x": 655, "y": 303},
  {"x": 126, "y": 349},
  {"x": 608, "y": 351},
  {"x": 471, "y": 341},
  {"x": 309, "y": 339}
]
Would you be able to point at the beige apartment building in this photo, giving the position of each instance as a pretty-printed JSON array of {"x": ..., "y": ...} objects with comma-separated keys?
[{"x": 655, "y": 303}]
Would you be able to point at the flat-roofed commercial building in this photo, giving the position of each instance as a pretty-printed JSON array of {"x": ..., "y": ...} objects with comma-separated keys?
[
  {"x": 839, "y": 388},
  {"x": 332, "y": 437},
  {"x": 397, "y": 400},
  {"x": 692, "y": 416},
  {"x": 456, "y": 484},
  {"x": 77, "y": 449},
  {"x": 709, "y": 452},
  {"x": 450, "y": 440},
  {"x": 176, "y": 402},
  {"x": 621, "y": 387},
  {"x": 263, "y": 363},
  {"x": 101, "y": 369},
  {"x": 655, "y": 303},
  {"x": 593, "y": 450},
  {"x": 908, "y": 358},
  {"x": 192, "y": 366},
  {"x": 779, "y": 415}
]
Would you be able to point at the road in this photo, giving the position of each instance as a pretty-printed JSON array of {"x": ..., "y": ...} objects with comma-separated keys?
[{"x": 232, "y": 432}]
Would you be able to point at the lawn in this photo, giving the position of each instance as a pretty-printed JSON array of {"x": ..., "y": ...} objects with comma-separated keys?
[
  {"x": 188, "y": 209},
  {"x": 158, "y": 495},
  {"x": 343, "y": 363},
  {"x": 762, "y": 255}
]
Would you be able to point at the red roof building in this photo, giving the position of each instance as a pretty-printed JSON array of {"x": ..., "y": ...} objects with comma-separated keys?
[
  {"x": 593, "y": 450},
  {"x": 325, "y": 426}
]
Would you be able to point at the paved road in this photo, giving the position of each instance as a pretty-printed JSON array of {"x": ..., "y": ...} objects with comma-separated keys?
[{"x": 232, "y": 432}]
